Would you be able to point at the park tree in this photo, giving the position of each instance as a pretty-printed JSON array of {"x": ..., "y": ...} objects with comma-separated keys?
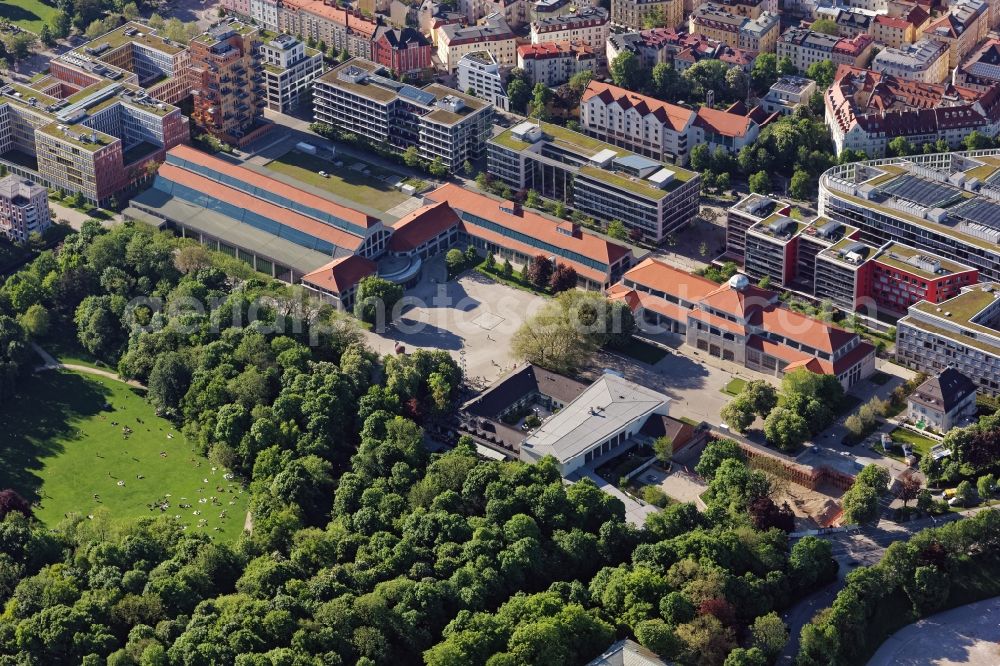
[
  {"x": 563, "y": 278},
  {"x": 626, "y": 70},
  {"x": 801, "y": 186},
  {"x": 965, "y": 494},
  {"x": 976, "y": 140},
  {"x": 716, "y": 452},
  {"x": 455, "y": 261},
  {"x": 769, "y": 635},
  {"x": 169, "y": 381},
  {"x": 519, "y": 94},
  {"x": 822, "y": 72},
  {"x": 899, "y": 147},
  {"x": 540, "y": 271},
  {"x": 760, "y": 182},
  {"x": 61, "y": 23},
  {"x": 11, "y": 500},
  {"x": 786, "y": 429},
  {"x": 616, "y": 229},
  {"x": 375, "y": 299},
  {"x": 826, "y": 26},
  {"x": 986, "y": 486},
  {"x": 738, "y": 414},
  {"x": 701, "y": 157},
  {"x": 541, "y": 96},
  {"x": 45, "y": 35},
  {"x": 860, "y": 505},
  {"x": 35, "y": 321},
  {"x": 764, "y": 72},
  {"x": 19, "y": 44},
  {"x": 709, "y": 74}
]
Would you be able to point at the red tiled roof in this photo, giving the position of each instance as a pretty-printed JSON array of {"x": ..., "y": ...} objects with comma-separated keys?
[
  {"x": 529, "y": 225},
  {"x": 355, "y": 22},
  {"x": 677, "y": 117},
  {"x": 805, "y": 330},
  {"x": 893, "y": 21},
  {"x": 341, "y": 274},
  {"x": 723, "y": 122},
  {"x": 422, "y": 225},
  {"x": 662, "y": 277},
  {"x": 741, "y": 303},
  {"x": 245, "y": 201},
  {"x": 272, "y": 185},
  {"x": 554, "y": 50},
  {"x": 719, "y": 322}
]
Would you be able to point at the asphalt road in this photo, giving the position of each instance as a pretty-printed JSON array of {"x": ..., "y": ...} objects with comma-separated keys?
[{"x": 865, "y": 547}]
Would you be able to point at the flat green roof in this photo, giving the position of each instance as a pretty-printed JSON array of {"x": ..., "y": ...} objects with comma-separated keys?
[
  {"x": 103, "y": 140},
  {"x": 117, "y": 38},
  {"x": 635, "y": 185},
  {"x": 906, "y": 252},
  {"x": 963, "y": 307}
]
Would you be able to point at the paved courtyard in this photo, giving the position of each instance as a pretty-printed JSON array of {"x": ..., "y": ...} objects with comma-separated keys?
[
  {"x": 966, "y": 635},
  {"x": 679, "y": 484},
  {"x": 473, "y": 318}
]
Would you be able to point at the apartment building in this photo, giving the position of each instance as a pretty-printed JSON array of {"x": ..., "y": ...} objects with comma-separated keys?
[
  {"x": 96, "y": 140},
  {"x": 290, "y": 67},
  {"x": 660, "y": 130},
  {"x": 806, "y": 47},
  {"x": 336, "y": 27},
  {"x": 850, "y": 21},
  {"x": 962, "y": 28},
  {"x": 769, "y": 254},
  {"x": 962, "y": 333},
  {"x": 866, "y": 110},
  {"x": 358, "y": 97},
  {"x": 401, "y": 50},
  {"x": 843, "y": 275},
  {"x": 589, "y": 26},
  {"x": 228, "y": 92},
  {"x": 24, "y": 208},
  {"x": 677, "y": 48},
  {"x": 741, "y": 323},
  {"x": 898, "y": 31},
  {"x": 494, "y": 35},
  {"x": 940, "y": 204},
  {"x": 632, "y": 13},
  {"x": 981, "y": 69},
  {"x": 650, "y": 198},
  {"x": 744, "y": 214},
  {"x": 555, "y": 63},
  {"x": 758, "y": 34},
  {"x": 479, "y": 73},
  {"x": 161, "y": 66},
  {"x": 787, "y": 94},
  {"x": 925, "y": 61}
]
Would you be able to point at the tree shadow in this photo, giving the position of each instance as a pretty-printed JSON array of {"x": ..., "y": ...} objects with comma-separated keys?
[
  {"x": 39, "y": 423},
  {"x": 14, "y": 13}
]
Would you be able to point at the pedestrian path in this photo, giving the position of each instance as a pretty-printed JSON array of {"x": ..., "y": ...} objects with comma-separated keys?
[{"x": 51, "y": 363}]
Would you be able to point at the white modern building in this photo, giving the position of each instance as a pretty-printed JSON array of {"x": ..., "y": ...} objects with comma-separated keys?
[
  {"x": 357, "y": 96},
  {"x": 598, "y": 425},
  {"x": 479, "y": 74},
  {"x": 290, "y": 68},
  {"x": 24, "y": 208},
  {"x": 787, "y": 94}
]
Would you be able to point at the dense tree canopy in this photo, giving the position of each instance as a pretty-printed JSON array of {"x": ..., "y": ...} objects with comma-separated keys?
[{"x": 366, "y": 547}]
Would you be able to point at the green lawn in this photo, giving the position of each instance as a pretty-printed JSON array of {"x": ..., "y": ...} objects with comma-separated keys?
[
  {"x": 28, "y": 14},
  {"x": 62, "y": 444},
  {"x": 66, "y": 350},
  {"x": 921, "y": 445},
  {"x": 735, "y": 386},
  {"x": 643, "y": 351},
  {"x": 343, "y": 181}
]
